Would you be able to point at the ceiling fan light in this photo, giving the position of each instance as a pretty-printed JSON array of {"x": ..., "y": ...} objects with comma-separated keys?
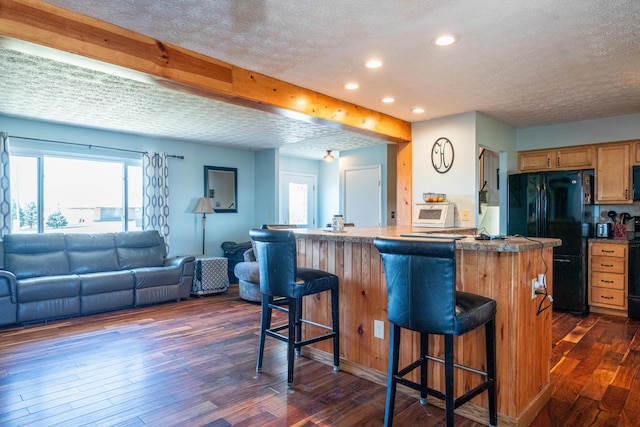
[{"x": 328, "y": 157}]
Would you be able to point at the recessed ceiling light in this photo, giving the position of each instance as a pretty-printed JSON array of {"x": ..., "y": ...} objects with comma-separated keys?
[
  {"x": 351, "y": 86},
  {"x": 445, "y": 40},
  {"x": 373, "y": 63},
  {"x": 388, "y": 100},
  {"x": 418, "y": 110}
]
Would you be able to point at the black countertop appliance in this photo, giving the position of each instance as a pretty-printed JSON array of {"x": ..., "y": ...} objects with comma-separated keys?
[{"x": 557, "y": 204}]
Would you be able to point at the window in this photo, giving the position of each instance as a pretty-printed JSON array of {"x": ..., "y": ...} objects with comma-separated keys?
[{"x": 75, "y": 195}]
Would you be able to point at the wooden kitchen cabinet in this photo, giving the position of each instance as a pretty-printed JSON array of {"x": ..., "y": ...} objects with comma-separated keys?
[
  {"x": 636, "y": 148},
  {"x": 566, "y": 158},
  {"x": 608, "y": 271},
  {"x": 533, "y": 161},
  {"x": 613, "y": 174}
]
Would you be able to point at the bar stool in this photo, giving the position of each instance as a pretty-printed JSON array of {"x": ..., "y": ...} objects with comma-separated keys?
[
  {"x": 283, "y": 285},
  {"x": 422, "y": 297}
]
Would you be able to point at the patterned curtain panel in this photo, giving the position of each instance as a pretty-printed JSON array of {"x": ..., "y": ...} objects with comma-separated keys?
[
  {"x": 5, "y": 186},
  {"x": 155, "y": 203}
]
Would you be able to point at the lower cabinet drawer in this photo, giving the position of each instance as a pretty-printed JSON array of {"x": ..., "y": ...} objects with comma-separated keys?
[
  {"x": 608, "y": 280},
  {"x": 608, "y": 264},
  {"x": 608, "y": 297}
]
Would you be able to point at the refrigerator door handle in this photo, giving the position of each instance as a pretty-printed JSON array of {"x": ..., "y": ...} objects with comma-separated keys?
[
  {"x": 539, "y": 210},
  {"x": 543, "y": 210}
]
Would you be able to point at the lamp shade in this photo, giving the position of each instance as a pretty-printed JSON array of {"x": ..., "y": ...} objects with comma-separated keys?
[{"x": 204, "y": 206}]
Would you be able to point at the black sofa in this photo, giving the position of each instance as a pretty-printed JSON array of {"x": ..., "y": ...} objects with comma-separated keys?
[{"x": 49, "y": 276}]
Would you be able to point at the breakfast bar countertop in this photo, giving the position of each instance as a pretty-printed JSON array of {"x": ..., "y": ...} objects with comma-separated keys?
[
  {"x": 367, "y": 234},
  {"x": 499, "y": 269}
]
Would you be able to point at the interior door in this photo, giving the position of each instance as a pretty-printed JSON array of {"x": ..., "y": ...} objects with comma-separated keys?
[
  {"x": 363, "y": 196},
  {"x": 298, "y": 199}
]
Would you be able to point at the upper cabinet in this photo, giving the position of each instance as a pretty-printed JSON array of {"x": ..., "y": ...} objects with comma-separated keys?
[
  {"x": 635, "y": 146},
  {"x": 565, "y": 158},
  {"x": 613, "y": 174}
]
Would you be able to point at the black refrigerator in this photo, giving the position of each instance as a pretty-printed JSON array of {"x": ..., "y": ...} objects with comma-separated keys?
[{"x": 557, "y": 204}]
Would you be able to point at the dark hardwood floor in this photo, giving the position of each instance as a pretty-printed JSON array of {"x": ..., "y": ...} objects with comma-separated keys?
[{"x": 193, "y": 364}]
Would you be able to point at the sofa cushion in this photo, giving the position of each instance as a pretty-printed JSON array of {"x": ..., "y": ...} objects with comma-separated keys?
[
  {"x": 48, "y": 288},
  {"x": 91, "y": 253},
  {"x": 34, "y": 255},
  {"x": 156, "y": 276},
  {"x": 248, "y": 271},
  {"x": 140, "y": 249},
  {"x": 110, "y": 281}
]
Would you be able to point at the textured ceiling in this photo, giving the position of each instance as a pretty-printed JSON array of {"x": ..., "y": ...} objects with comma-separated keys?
[
  {"x": 66, "y": 93},
  {"x": 526, "y": 64}
]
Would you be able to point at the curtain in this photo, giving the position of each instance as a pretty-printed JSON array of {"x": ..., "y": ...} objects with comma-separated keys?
[
  {"x": 155, "y": 203},
  {"x": 5, "y": 186}
]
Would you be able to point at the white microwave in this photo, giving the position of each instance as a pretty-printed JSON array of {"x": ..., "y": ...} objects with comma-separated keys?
[{"x": 437, "y": 215}]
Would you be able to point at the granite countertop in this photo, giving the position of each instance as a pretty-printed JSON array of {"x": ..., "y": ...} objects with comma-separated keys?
[
  {"x": 605, "y": 240},
  {"x": 367, "y": 234}
]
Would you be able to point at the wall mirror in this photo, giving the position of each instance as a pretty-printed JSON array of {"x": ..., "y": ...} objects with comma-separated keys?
[{"x": 221, "y": 187}]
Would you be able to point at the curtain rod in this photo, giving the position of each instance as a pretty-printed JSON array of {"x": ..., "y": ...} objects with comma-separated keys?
[{"x": 92, "y": 146}]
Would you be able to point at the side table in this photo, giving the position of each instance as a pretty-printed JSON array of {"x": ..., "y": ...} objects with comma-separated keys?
[{"x": 210, "y": 276}]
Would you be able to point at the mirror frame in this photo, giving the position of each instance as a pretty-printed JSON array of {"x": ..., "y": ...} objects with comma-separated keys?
[{"x": 218, "y": 171}]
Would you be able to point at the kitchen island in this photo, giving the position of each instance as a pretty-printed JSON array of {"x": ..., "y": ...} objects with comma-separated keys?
[{"x": 499, "y": 269}]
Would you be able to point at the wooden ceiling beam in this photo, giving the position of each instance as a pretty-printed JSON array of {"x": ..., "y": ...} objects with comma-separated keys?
[{"x": 47, "y": 25}]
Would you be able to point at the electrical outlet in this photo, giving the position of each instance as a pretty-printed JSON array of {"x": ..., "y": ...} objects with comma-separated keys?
[
  {"x": 464, "y": 214},
  {"x": 534, "y": 285},
  {"x": 378, "y": 329}
]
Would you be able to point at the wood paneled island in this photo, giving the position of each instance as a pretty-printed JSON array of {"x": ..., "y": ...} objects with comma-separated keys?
[{"x": 499, "y": 269}]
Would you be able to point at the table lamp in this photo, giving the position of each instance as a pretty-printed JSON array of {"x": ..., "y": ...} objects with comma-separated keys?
[{"x": 204, "y": 207}]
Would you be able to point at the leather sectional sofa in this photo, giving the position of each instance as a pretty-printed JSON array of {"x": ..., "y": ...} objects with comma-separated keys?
[{"x": 55, "y": 275}]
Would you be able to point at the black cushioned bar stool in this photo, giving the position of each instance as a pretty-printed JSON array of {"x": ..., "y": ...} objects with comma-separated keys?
[
  {"x": 422, "y": 297},
  {"x": 280, "y": 278}
]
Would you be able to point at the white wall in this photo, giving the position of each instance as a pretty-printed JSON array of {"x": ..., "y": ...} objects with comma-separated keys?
[{"x": 460, "y": 182}]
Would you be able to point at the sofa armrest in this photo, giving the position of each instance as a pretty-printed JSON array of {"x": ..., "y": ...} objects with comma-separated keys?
[
  {"x": 249, "y": 255},
  {"x": 185, "y": 263},
  {"x": 8, "y": 279}
]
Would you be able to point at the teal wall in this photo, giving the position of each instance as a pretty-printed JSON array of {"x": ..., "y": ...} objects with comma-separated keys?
[
  {"x": 186, "y": 179},
  {"x": 619, "y": 128},
  {"x": 258, "y": 172},
  {"x": 265, "y": 188},
  {"x": 328, "y": 190},
  {"x": 371, "y": 156}
]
